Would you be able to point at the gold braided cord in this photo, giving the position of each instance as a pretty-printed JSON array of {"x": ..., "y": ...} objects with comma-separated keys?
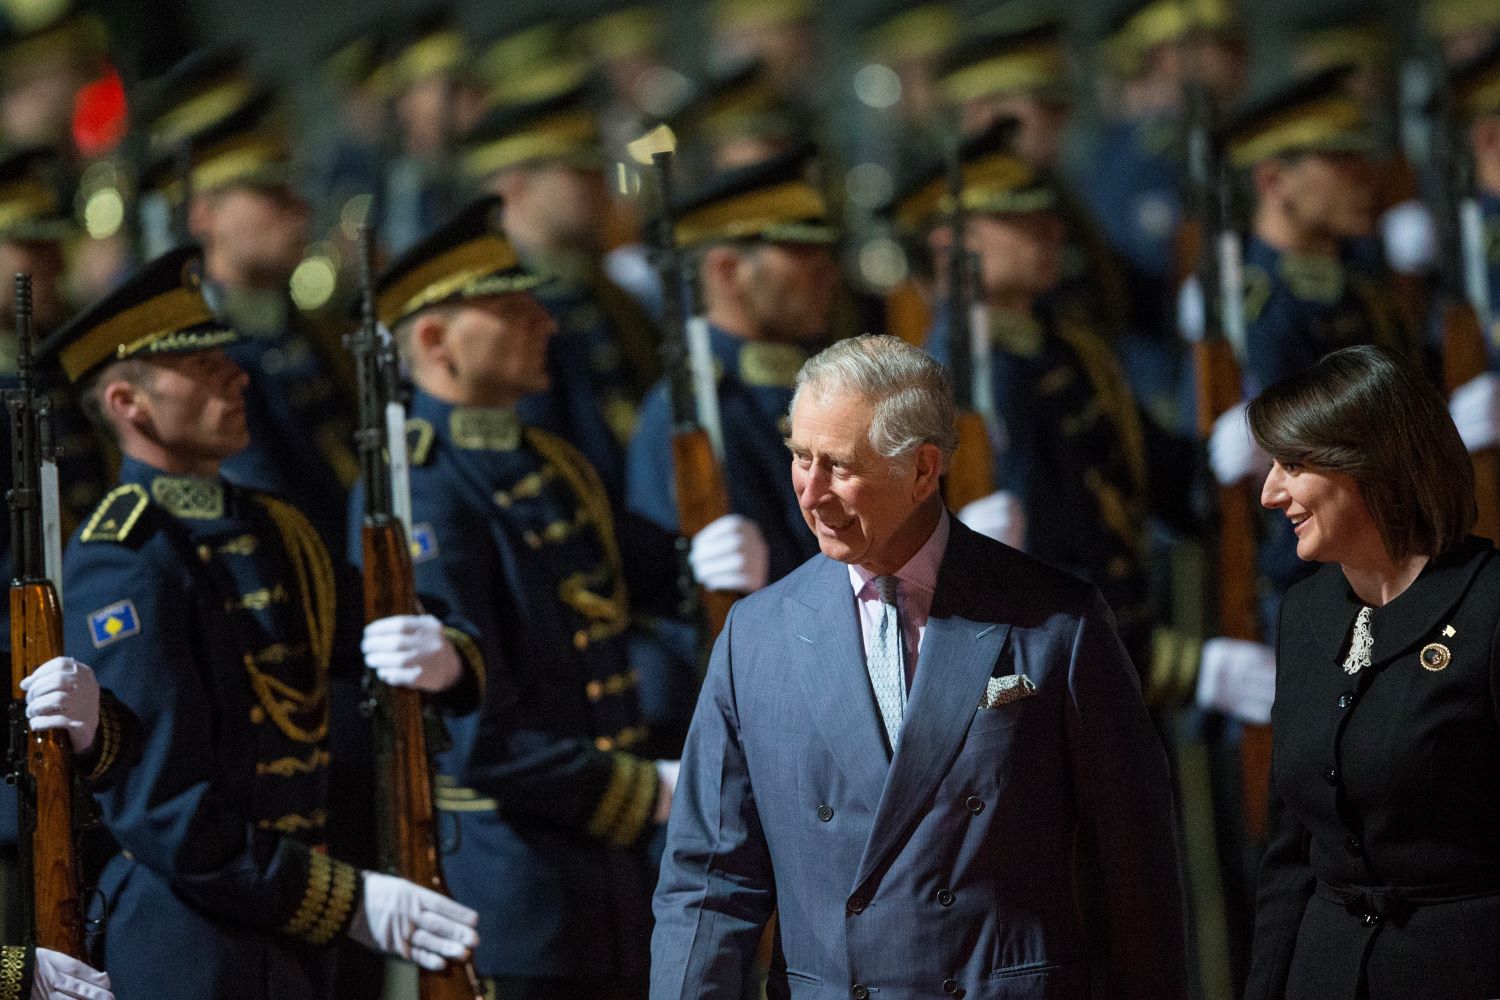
[
  {"x": 109, "y": 738},
  {"x": 319, "y": 881},
  {"x": 296, "y": 822},
  {"x": 12, "y": 972},
  {"x": 287, "y": 767},
  {"x": 340, "y": 902},
  {"x": 314, "y": 584},
  {"x": 638, "y": 806},
  {"x": 607, "y": 812},
  {"x": 470, "y": 654},
  {"x": 1109, "y": 383},
  {"x": 589, "y": 489}
]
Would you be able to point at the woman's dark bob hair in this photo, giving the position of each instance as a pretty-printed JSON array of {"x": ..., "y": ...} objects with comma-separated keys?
[{"x": 1367, "y": 413}]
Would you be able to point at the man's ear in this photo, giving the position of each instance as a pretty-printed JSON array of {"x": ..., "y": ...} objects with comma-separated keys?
[
  {"x": 928, "y": 463},
  {"x": 1267, "y": 176},
  {"x": 429, "y": 340},
  {"x": 124, "y": 402}
]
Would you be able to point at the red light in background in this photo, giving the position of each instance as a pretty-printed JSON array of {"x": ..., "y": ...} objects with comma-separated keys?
[{"x": 100, "y": 116}]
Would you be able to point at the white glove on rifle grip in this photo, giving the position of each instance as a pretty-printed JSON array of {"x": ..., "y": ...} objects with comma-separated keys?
[
  {"x": 998, "y": 516},
  {"x": 730, "y": 553},
  {"x": 1237, "y": 678},
  {"x": 1475, "y": 408},
  {"x": 64, "y": 694},
  {"x": 58, "y": 977},
  {"x": 1232, "y": 452},
  {"x": 411, "y": 651},
  {"x": 401, "y": 918}
]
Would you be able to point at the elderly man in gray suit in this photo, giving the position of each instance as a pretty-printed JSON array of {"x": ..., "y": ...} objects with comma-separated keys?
[{"x": 927, "y": 750}]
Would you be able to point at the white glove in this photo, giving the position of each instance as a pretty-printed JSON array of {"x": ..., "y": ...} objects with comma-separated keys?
[
  {"x": 411, "y": 651},
  {"x": 1475, "y": 408},
  {"x": 1192, "y": 311},
  {"x": 59, "y": 977},
  {"x": 64, "y": 694},
  {"x": 1410, "y": 240},
  {"x": 1237, "y": 678},
  {"x": 401, "y": 918},
  {"x": 666, "y": 781},
  {"x": 998, "y": 516},
  {"x": 1232, "y": 452},
  {"x": 730, "y": 553}
]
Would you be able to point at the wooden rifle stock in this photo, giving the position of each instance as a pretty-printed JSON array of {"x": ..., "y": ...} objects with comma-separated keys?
[
  {"x": 411, "y": 820},
  {"x": 1464, "y": 358},
  {"x": 1218, "y": 391},
  {"x": 701, "y": 499},
  {"x": 36, "y": 637},
  {"x": 971, "y": 470}
]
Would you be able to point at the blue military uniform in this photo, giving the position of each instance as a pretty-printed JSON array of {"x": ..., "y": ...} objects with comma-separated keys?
[
  {"x": 754, "y": 391},
  {"x": 210, "y": 611},
  {"x": 546, "y": 804},
  {"x": 544, "y": 793}
]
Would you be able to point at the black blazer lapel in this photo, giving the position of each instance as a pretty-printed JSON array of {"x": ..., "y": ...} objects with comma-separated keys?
[{"x": 829, "y": 661}]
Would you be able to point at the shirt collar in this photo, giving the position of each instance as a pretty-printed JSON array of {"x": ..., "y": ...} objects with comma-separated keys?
[{"x": 921, "y": 570}]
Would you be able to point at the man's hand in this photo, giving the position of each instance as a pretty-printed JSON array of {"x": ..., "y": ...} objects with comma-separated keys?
[
  {"x": 666, "y": 783},
  {"x": 1475, "y": 408},
  {"x": 63, "y": 694},
  {"x": 401, "y": 918},
  {"x": 411, "y": 651},
  {"x": 59, "y": 977},
  {"x": 1233, "y": 454},
  {"x": 998, "y": 516},
  {"x": 730, "y": 553},
  {"x": 1237, "y": 678}
]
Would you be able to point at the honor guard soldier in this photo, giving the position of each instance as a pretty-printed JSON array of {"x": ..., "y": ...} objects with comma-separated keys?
[
  {"x": 242, "y": 204},
  {"x": 213, "y": 612},
  {"x": 544, "y": 788},
  {"x": 545, "y": 158},
  {"x": 761, "y": 239}
]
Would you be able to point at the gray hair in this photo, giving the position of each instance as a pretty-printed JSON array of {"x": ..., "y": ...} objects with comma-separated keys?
[{"x": 912, "y": 393}]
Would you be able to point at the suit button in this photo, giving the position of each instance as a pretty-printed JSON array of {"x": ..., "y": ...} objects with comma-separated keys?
[
  {"x": 825, "y": 813},
  {"x": 860, "y": 992},
  {"x": 1352, "y": 845},
  {"x": 945, "y": 897},
  {"x": 1346, "y": 699},
  {"x": 974, "y": 804},
  {"x": 950, "y": 986},
  {"x": 857, "y": 904},
  {"x": 1331, "y": 776}
]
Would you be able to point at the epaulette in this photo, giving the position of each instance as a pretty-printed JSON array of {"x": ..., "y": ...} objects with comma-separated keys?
[
  {"x": 116, "y": 514},
  {"x": 419, "y": 435}
]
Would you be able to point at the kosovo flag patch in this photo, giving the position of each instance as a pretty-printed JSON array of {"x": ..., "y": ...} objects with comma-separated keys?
[
  {"x": 423, "y": 543},
  {"x": 114, "y": 622}
]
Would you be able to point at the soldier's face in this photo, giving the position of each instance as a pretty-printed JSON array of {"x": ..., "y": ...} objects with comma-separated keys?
[
  {"x": 564, "y": 204},
  {"x": 788, "y": 290},
  {"x": 253, "y": 234},
  {"x": 1332, "y": 194},
  {"x": 861, "y": 506},
  {"x": 44, "y": 262},
  {"x": 1019, "y": 254},
  {"x": 193, "y": 406},
  {"x": 497, "y": 348}
]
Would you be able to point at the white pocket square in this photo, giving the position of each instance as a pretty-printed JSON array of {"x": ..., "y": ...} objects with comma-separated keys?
[{"x": 1004, "y": 690}]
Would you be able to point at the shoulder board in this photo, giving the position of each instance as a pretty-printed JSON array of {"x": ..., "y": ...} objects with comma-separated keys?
[
  {"x": 116, "y": 515},
  {"x": 419, "y": 435}
]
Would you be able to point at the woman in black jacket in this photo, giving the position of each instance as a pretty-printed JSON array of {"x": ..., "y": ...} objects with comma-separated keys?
[{"x": 1382, "y": 876}]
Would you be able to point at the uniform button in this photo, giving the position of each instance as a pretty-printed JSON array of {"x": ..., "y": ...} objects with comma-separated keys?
[
  {"x": 581, "y": 640},
  {"x": 974, "y": 804},
  {"x": 1352, "y": 845},
  {"x": 950, "y": 986},
  {"x": 945, "y": 897},
  {"x": 1371, "y": 919},
  {"x": 857, "y": 904},
  {"x": 1346, "y": 699},
  {"x": 825, "y": 813},
  {"x": 1331, "y": 776},
  {"x": 859, "y": 992},
  {"x": 257, "y": 715}
]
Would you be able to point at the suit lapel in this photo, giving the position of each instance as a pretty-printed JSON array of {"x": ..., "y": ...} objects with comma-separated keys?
[
  {"x": 957, "y": 659},
  {"x": 829, "y": 660}
]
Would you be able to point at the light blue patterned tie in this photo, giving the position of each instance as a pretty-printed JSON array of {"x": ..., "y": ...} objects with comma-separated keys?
[{"x": 885, "y": 660}]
